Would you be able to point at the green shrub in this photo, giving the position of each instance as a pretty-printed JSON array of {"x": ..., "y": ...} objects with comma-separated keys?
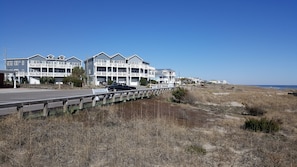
[
  {"x": 179, "y": 94},
  {"x": 153, "y": 81},
  {"x": 76, "y": 81},
  {"x": 182, "y": 95},
  {"x": 47, "y": 80},
  {"x": 196, "y": 149},
  {"x": 109, "y": 82},
  {"x": 143, "y": 82},
  {"x": 262, "y": 125}
]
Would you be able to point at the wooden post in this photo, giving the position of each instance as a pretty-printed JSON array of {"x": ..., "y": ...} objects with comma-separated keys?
[
  {"x": 104, "y": 99},
  {"x": 65, "y": 105},
  {"x": 81, "y": 103},
  {"x": 20, "y": 110},
  {"x": 128, "y": 96},
  {"x": 113, "y": 98},
  {"x": 94, "y": 99},
  {"x": 45, "y": 109},
  {"x": 134, "y": 97},
  {"x": 148, "y": 94},
  {"x": 121, "y": 97}
]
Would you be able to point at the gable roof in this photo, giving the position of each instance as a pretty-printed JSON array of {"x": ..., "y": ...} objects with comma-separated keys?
[
  {"x": 36, "y": 55},
  {"x": 135, "y": 55},
  {"x": 73, "y": 57},
  {"x": 100, "y": 54},
  {"x": 117, "y": 55}
]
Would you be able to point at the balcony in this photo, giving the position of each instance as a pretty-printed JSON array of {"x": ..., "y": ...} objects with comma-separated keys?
[
  {"x": 36, "y": 74},
  {"x": 48, "y": 74},
  {"x": 102, "y": 64},
  {"x": 20, "y": 74},
  {"x": 135, "y": 75},
  {"x": 122, "y": 74},
  {"x": 121, "y": 65},
  {"x": 37, "y": 64},
  {"x": 100, "y": 73},
  {"x": 56, "y": 65}
]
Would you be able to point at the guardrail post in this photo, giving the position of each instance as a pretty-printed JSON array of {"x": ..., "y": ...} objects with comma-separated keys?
[
  {"x": 104, "y": 99},
  {"x": 148, "y": 94},
  {"x": 45, "y": 109},
  {"x": 134, "y": 97},
  {"x": 128, "y": 96},
  {"x": 154, "y": 92},
  {"x": 94, "y": 99},
  {"x": 81, "y": 103},
  {"x": 121, "y": 97},
  {"x": 113, "y": 98},
  {"x": 65, "y": 105},
  {"x": 20, "y": 110}
]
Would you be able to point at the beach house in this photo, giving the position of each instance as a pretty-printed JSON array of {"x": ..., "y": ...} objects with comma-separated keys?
[
  {"x": 102, "y": 68},
  {"x": 165, "y": 76},
  {"x": 37, "y": 66}
]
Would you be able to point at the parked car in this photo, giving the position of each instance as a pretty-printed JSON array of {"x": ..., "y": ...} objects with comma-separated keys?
[{"x": 117, "y": 86}]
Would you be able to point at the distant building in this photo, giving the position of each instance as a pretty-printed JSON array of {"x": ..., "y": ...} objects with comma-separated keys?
[
  {"x": 218, "y": 82},
  {"x": 165, "y": 76},
  {"x": 102, "y": 68},
  {"x": 37, "y": 66}
]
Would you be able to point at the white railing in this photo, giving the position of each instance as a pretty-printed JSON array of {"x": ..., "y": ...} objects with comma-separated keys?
[
  {"x": 122, "y": 74},
  {"x": 46, "y": 65},
  {"x": 47, "y": 74}
]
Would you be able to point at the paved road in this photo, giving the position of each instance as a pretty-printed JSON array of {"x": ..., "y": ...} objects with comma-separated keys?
[{"x": 23, "y": 94}]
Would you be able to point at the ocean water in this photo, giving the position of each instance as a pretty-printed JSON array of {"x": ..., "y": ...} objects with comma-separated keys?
[{"x": 278, "y": 86}]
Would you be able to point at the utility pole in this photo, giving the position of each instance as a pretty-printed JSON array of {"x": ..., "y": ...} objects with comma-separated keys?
[
  {"x": 4, "y": 61},
  {"x": 5, "y": 57}
]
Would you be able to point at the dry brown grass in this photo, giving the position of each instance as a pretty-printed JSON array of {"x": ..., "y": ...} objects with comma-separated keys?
[{"x": 156, "y": 132}]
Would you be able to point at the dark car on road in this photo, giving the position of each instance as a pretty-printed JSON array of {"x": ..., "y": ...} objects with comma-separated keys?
[{"x": 117, "y": 86}]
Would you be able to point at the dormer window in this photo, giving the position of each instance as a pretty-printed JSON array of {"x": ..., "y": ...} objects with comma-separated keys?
[
  {"x": 61, "y": 57},
  {"x": 50, "y": 57}
]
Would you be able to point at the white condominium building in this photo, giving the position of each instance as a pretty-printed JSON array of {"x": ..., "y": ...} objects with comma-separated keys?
[
  {"x": 165, "y": 76},
  {"x": 37, "y": 66},
  {"x": 102, "y": 68}
]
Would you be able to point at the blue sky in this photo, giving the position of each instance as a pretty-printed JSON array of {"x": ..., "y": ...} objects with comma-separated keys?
[{"x": 241, "y": 41}]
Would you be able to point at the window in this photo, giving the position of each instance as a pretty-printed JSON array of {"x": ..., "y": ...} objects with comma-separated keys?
[
  {"x": 135, "y": 70},
  {"x": 16, "y": 62},
  {"x": 9, "y": 63},
  {"x": 23, "y": 62},
  {"x": 101, "y": 69}
]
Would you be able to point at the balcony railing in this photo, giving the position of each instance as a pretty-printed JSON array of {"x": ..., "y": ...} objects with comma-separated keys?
[
  {"x": 47, "y": 74},
  {"x": 51, "y": 65}
]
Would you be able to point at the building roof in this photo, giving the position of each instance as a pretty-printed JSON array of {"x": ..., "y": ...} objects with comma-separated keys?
[
  {"x": 53, "y": 57},
  {"x": 7, "y": 71},
  {"x": 163, "y": 69}
]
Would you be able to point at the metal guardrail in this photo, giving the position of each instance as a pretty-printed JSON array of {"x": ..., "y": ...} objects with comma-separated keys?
[{"x": 94, "y": 99}]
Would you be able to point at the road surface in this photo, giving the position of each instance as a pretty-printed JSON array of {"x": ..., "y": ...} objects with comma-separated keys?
[{"x": 24, "y": 94}]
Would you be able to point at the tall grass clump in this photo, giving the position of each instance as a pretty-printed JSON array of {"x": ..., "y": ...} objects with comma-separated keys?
[
  {"x": 196, "y": 149},
  {"x": 262, "y": 125},
  {"x": 254, "y": 110}
]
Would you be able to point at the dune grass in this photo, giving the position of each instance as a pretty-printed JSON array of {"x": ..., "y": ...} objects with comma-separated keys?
[{"x": 157, "y": 132}]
